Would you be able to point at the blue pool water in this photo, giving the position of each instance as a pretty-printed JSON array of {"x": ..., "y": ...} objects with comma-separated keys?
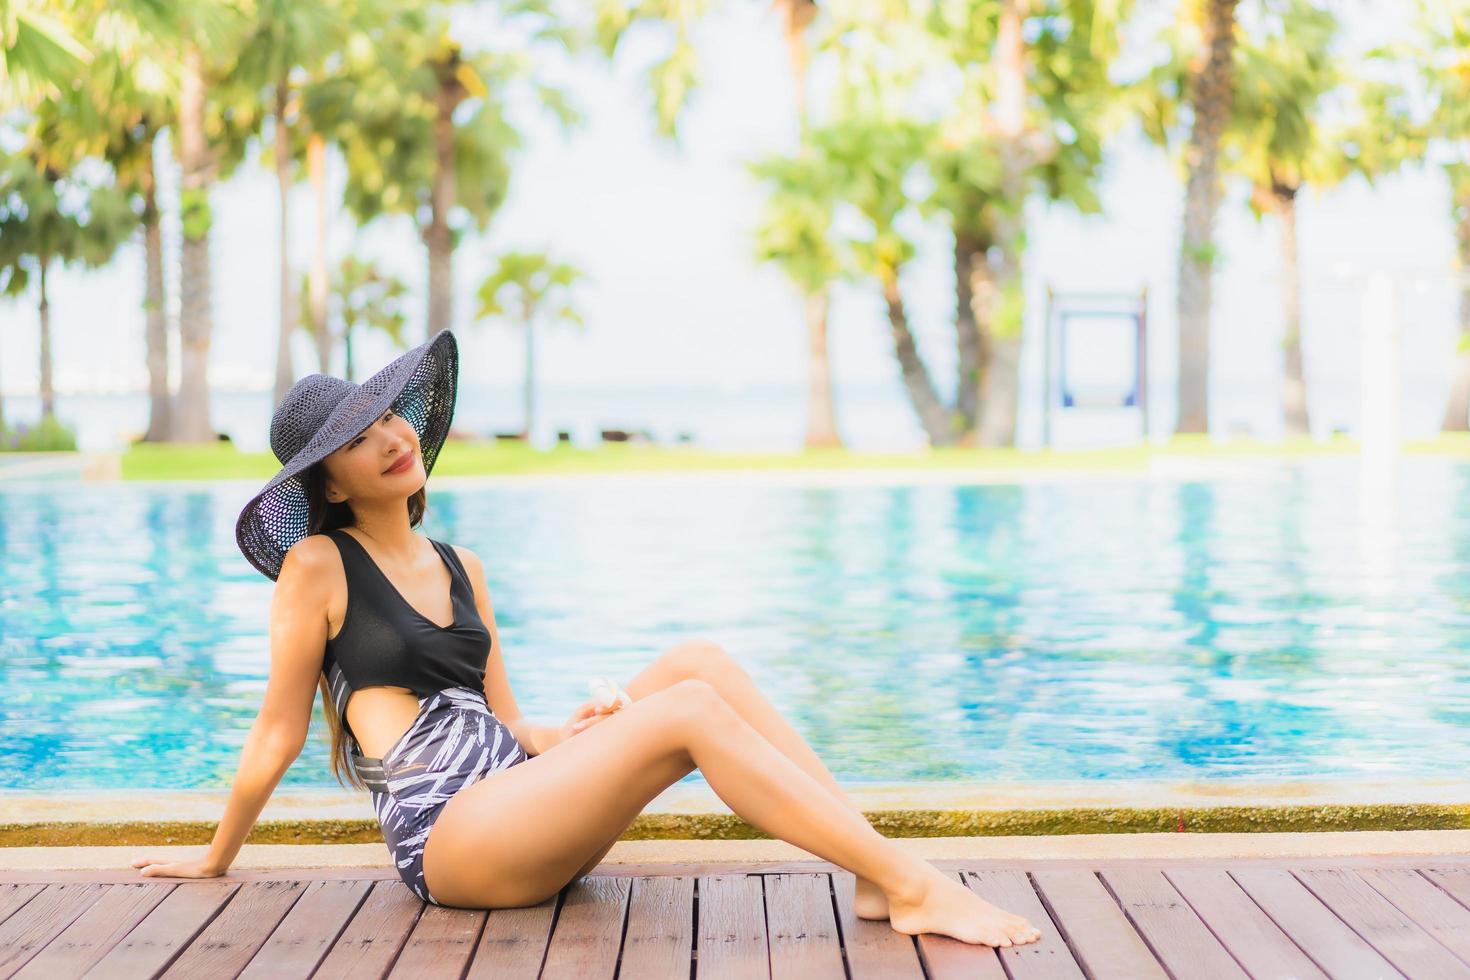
[{"x": 1280, "y": 622}]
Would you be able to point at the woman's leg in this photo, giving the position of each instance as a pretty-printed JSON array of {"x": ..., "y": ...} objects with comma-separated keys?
[
  {"x": 517, "y": 836},
  {"x": 708, "y": 661}
]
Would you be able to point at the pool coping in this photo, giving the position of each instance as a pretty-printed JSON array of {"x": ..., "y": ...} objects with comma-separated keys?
[{"x": 693, "y": 812}]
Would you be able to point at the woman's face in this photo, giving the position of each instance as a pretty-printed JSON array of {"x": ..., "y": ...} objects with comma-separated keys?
[{"x": 360, "y": 470}]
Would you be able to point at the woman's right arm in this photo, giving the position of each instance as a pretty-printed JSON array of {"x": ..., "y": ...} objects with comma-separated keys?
[{"x": 298, "y": 636}]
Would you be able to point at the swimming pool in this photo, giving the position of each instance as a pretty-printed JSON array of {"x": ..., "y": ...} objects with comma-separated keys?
[{"x": 1275, "y": 621}]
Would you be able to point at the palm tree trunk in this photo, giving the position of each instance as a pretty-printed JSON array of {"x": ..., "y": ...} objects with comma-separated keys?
[
  {"x": 48, "y": 394},
  {"x": 441, "y": 198},
  {"x": 821, "y": 418},
  {"x": 821, "y": 424},
  {"x": 1211, "y": 94},
  {"x": 1000, "y": 389},
  {"x": 1294, "y": 383},
  {"x": 996, "y": 293},
  {"x": 316, "y": 150},
  {"x": 285, "y": 373},
  {"x": 155, "y": 306},
  {"x": 1457, "y": 410},
  {"x": 798, "y": 15},
  {"x": 968, "y": 250},
  {"x": 920, "y": 387},
  {"x": 994, "y": 302},
  {"x": 192, "y": 422}
]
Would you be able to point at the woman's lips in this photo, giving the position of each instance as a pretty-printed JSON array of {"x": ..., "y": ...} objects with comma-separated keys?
[{"x": 402, "y": 464}]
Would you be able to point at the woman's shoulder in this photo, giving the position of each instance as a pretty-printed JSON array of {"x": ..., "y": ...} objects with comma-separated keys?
[
  {"x": 467, "y": 558},
  {"x": 312, "y": 546}
]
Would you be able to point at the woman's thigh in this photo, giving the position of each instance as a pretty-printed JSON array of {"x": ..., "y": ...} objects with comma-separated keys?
[{"x": 520, "y": 834}]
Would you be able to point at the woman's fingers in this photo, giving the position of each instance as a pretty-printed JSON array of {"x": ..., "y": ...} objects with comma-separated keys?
[{"x": 591, "y": 720}]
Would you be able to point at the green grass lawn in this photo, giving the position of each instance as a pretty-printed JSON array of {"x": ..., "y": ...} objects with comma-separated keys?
[{"x": 223, "y": 461}]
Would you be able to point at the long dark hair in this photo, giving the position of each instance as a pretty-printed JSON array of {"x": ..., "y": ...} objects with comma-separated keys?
[{"x": 324, "y": 515}]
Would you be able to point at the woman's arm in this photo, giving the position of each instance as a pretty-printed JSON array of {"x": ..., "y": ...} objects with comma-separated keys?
[
  {"x": 298, "y": 634},
  {"x": 534, "y": 738}
]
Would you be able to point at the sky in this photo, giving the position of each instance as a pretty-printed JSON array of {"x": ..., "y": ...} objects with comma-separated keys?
[{"x": 664, "y": 233}]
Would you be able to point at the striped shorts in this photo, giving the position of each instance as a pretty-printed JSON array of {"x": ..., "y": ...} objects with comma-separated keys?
[{"x": 454, "y": 740}]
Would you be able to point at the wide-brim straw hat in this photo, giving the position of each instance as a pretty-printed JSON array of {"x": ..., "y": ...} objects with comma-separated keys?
[{"x": 320, "y": 414}]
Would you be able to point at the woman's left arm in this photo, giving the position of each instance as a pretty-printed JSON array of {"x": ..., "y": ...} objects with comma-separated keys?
[{"x": 534, "y": 738}]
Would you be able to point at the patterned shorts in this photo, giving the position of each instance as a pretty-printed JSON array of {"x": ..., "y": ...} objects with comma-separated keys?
[{"x": 454, "y": 741}]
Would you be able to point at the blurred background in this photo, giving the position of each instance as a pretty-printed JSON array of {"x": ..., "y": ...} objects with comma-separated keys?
[{"x": 881, "y": 225}]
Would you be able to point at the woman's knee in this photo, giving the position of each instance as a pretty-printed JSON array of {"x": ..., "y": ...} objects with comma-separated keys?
[
  {"x": 693, "y": 706},
  {"x": 699, "y": 658}
]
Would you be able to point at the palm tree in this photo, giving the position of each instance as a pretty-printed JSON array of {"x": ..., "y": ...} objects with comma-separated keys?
[
  {"x": 528, "y": 287},
  {"x": 428, "y": 134},
  {"x": 1443, "y": 57},
  {"x": 49, "y": 216},
  {"x": 796, "y": 233},
  {"x": 1209, "y": 93},
  {"x": 1285, "y": 70},
  {"x": 126, "y": 98},
  {"x": 40, "y": 55},
  {"x": 288, "y": 37},
  {"x": 1031, "y": 113},
  {"x": 870, "y": 151},
  {"x": 213, "y": 122}
]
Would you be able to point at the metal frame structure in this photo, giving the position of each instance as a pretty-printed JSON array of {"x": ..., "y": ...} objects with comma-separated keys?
[{"x": 1062, "y": 308}]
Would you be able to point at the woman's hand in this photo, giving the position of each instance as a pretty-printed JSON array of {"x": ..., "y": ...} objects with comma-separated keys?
[
  {"x": 193, "y": 868},
  {"x": 587, "y": 714}
]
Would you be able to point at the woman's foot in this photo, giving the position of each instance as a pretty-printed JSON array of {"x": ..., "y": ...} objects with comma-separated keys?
[
  {"x": 868, "y": 900},
  {"x": 943, "y": 905}
]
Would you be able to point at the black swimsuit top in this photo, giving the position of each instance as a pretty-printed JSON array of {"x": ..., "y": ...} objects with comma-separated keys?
[{"x": 385, "y": 641}]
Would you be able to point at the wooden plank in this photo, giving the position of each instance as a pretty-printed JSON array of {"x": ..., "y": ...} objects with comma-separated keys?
[
  {"x": 32, "y": 926},
  {"x": 945, "y": 957},
  {"x": 165, "y": 931},
  {"x": 1455, "y": 882},
  {"x": 1176, "y": 935},
  {"x": 1256, "y": 942},
  {"x": 305, "y": 935},
  {"x": 1377, "y": 920},
  {"x": 802, "y": 927},
  {"x": 224, "y": 947},
  {"x": 731, "y": 928},
  {"x": 1316, "y": 929},
  {"x": 513, "y": 942},
  {"x": 1100, "y": 936},
  {"x": 89, "y": 937},
  {"x": 441, "y": 943},
  {"x": 15, "y": 895},
  {"x": 659, "y": 938},
  {"x": 874, "y": 948},
  {"x": 589, "y": 929},
  {"x": 1049, "y": 956},
  {"x": 378, "y": 930},
  {"x": 1436, "y": 913}
]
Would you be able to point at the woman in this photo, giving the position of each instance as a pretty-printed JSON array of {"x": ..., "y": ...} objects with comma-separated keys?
[{"x": 360, "y": 605}]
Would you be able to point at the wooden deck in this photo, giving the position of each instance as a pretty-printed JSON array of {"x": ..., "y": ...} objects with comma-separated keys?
[{"x": 1337, "y": 917}]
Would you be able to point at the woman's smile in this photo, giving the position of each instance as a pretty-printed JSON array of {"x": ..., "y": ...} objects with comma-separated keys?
[{"x": 402, "y": 463}]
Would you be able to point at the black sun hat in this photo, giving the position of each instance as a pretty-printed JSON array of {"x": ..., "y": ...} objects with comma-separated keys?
[{"x": 320, "y": 414}]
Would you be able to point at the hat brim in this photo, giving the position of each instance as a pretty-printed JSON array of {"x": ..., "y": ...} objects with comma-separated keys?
[{"x": 422, "y": 383}]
